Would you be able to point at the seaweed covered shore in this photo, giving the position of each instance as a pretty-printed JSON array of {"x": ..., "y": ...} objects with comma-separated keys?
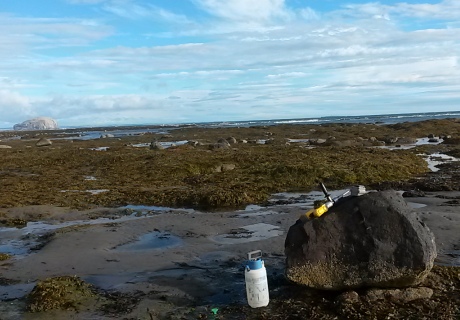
[
  {"x": 205, "y": 174},
  {"x": 81, "y": 271}
]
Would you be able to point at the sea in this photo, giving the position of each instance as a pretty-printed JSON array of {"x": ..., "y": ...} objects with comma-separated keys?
[{"x": 375, "y": 119}]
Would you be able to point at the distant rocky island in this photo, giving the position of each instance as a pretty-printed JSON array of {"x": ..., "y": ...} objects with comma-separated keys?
[{"x": 39, "y": 123}]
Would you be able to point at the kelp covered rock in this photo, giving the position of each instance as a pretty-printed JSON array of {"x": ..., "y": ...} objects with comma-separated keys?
[{"x": 59, "y": 293}]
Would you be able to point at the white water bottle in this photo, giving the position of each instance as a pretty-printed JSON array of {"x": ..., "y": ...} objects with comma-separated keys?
[{"x": 255, "y": 276}]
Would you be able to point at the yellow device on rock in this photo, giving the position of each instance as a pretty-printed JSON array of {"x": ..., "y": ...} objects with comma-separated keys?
[
  {"x": 323, "y": 207},
  {"x": 318, "y": 212}
]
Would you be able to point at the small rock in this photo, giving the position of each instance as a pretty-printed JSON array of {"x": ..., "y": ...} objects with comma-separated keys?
[
  {"x": 193, "y": 143},
  {"x": 317, "y": 141},
  {"x": 224, "y": 167},
  {"x": 228, "y": 167},
  {"x": 4, "y": 146},
  {"x": 43, "y": 142},
  {"x": 231, "y": 140},
  {"x": 219, "y": 146},
  {"x": 378, "y": 143},
  {"x": 155, "y": 145},
  {"x": 431, "y": 135},
  {"x": 223, "y": 141},
  {"x": 344, "y": 143},
  {"x": 390, "y": 140},
  {"x": 413, "y": 193},
  {"x": 348, "y": 297},
  {"x": 407, "y": 140}
]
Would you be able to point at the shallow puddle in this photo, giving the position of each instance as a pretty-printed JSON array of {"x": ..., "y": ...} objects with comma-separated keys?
[
  {"x": 100, "y": 149},
  {"x": 298, "y": 140},
  {"x": 15, "y": 291},
  {"x": 419, "y": 142},
  {"x": 93, "y": 192},
  {"x": 146, "y": 209},
  {"x": 21, "y": 241},
  {"x": 254, "y": 232},
  {"x": 164, "y": 144},
  {"x": 13, "y": 247},
  {"x": 448, "y": 258},
  {"x": 435, "y": 159},
  {"x": 151, "y": 241},
  {"x": 415, "y": 205}
]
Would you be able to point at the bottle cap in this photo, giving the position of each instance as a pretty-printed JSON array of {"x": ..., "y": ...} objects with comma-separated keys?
[
  {"x": 254, "y": 260},
  {"x": 254, "y": 264}
]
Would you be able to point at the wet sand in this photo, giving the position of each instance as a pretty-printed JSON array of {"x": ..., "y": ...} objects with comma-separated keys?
[{"x": 187, "y": 256}]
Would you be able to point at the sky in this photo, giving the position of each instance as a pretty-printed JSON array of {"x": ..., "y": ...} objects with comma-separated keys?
[{"x": 113, "y": 62}]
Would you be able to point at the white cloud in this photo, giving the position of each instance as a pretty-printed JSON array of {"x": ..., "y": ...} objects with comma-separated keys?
[
  {"x": 13, "y": 101},
  {"x": 20, "y": 34},
  {"x": 248, "y": 13},
  {"x": 287, "y": 75},
  {"x": 309, "y": 14},
  {"x": 132, "y": 10},
  {"x": 445, "y": 10}
]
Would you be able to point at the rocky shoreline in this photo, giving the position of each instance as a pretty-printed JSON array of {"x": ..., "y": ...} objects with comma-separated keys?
[{"x": 144, "y": 256}]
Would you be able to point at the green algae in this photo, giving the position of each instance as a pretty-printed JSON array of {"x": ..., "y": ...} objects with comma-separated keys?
[
  {"x": 187, "y": 176},
  {"x": 62, "y": 293},
  {"x": 4, "y": 256}
]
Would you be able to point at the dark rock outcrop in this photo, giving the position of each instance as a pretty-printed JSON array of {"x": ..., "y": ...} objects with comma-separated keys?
[
  {"x": 374, "y": 240},
  {"x": 413, "y": 193},
  {"x": 407, "y": 140}
]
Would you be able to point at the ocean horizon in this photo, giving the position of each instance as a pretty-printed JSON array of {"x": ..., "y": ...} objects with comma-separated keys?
[{"x": 376, "y": 119}]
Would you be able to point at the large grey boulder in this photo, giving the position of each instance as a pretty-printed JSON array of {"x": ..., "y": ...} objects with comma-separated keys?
[
  {"x": 40, "y": 123},
  {"x": 374, "y": 240}
]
